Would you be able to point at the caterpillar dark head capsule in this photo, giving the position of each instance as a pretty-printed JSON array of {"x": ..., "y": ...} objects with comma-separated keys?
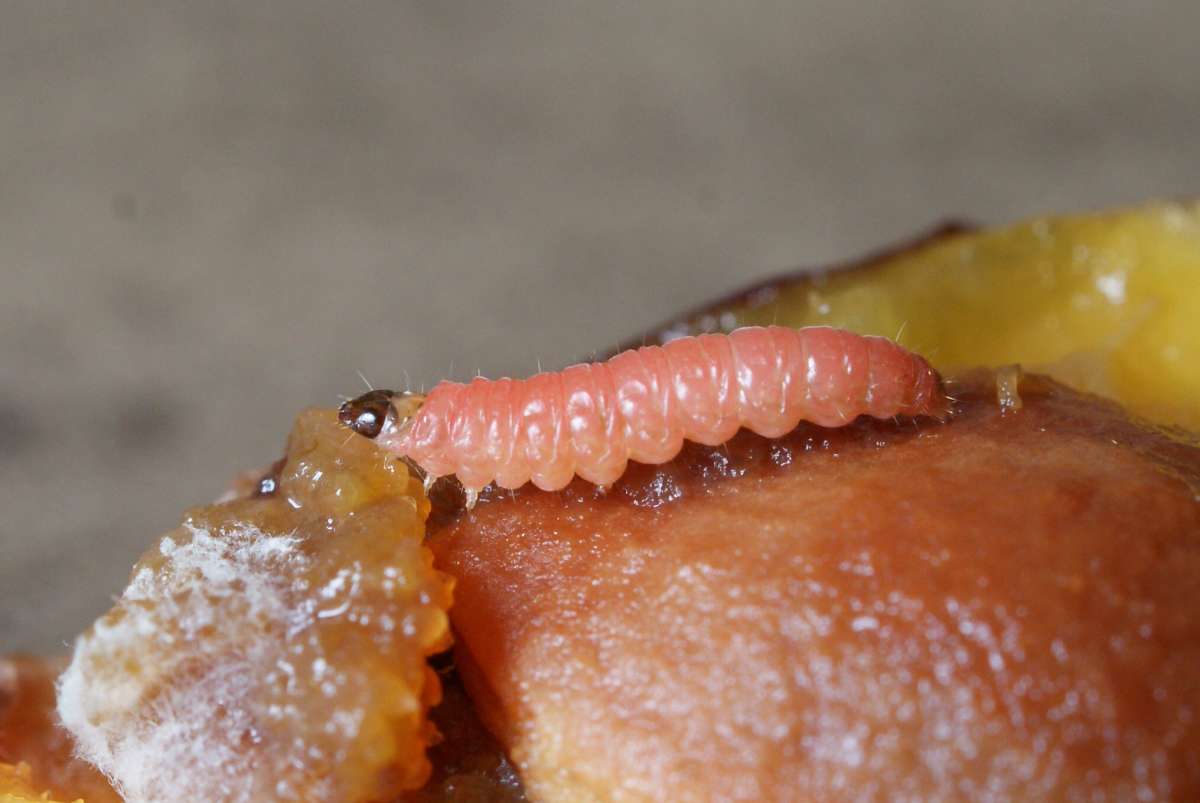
[
  {"x": 369, "y": 413},
  {"x": 379, "y": 411}
]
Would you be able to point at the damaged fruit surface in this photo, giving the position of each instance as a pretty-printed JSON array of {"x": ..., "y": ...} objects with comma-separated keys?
[
  {"x": 999, "y": 607},
  {"x": 273, "y": 647}
]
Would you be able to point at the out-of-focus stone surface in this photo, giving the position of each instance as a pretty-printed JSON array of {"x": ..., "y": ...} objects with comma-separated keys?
[{"x": 212, "y": 216}]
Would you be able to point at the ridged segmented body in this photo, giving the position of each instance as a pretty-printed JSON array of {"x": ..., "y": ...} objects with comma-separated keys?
[{"x": 590, "y": 419}]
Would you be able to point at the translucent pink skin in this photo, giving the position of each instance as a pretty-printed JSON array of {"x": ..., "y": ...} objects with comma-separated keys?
[{"x": 591, "y": 419}]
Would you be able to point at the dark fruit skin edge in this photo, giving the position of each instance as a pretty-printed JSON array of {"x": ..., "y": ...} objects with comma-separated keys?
[{"x": 688, "y": 322}]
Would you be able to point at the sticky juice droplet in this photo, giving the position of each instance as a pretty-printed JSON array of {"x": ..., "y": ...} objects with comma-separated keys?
[{"x": 1008, "y": 381}]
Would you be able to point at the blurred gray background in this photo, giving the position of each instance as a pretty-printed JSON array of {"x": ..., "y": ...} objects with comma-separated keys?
[{"x": 213, "y": 215}]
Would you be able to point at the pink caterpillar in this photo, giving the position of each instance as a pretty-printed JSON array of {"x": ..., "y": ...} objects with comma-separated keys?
[{"x": 591, "y": 419}]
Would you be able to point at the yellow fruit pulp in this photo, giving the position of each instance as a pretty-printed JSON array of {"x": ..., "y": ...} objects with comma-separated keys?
[
  {"x": 1109, "y": 303},
  {"x": 16, "y": 785}
]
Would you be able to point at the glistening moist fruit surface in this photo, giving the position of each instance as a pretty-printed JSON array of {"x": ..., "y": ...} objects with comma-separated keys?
[
  {"x": 273, "y": 648},
  {"x": 1108, "y": 303}
]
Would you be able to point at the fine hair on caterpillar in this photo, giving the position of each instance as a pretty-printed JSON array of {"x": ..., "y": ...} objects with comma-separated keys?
[{"x": 591, "y": 419}]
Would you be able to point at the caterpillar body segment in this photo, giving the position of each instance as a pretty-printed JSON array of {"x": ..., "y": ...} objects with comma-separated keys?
[{"x": 591, "y": 419}]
